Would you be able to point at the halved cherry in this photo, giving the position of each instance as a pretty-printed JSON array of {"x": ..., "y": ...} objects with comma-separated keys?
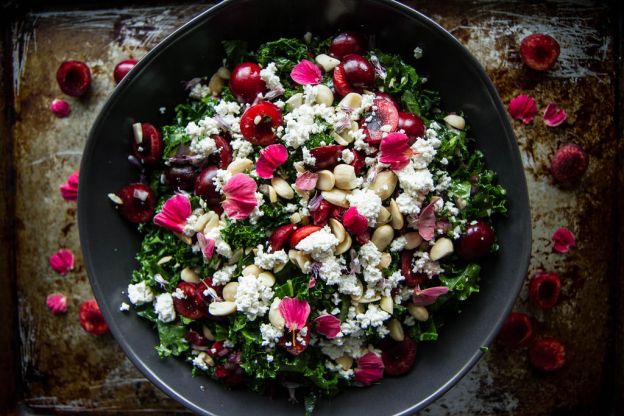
[
  {"x": 326, "y": 156},
  {"x": 413, "y": 125},
  {"x": 225, "y": 151},
  {"x": 195, "y": 338},
  {"x": 388, "y": 97},
  {"x": 302, "y": 233},
  {"x": 359, "y": 161},
  {"x": 149, "y": 150},
  {"x": 204, "y": 187},
  {"x": 74, "y": 78},
  {"x": 544, "y": 289},
  {"x": 398, "y": 356},
  {"x": 476, "y": 242},
  {"x": 321, "y": 214},
  {"x": 281, "y": 235},
  {"x": 138, "y": 202},
  {"x": 259, "y": 122},
  {"x": 346, "y": 43},
  {"x": 547, "y": 354},
  {"x": 517, "y": 330},
  {"x": 411, "y": 279},
  {"x": 181, "y": 177},
  {"x": 294, "y": 342},
  {"x": 122, "y": 69},
  {"x": 385, "y": 119},
  {"x": 191, "y": 305},
  {"x": 245, "y": 82},
  {"x": 340, "y": 81},
  {"x": 213, "y": 290},
  {"x": 359, "y": 72},
  {"x": 539, "y": 51}
]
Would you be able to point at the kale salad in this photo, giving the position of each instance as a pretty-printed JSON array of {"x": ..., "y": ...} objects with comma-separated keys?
[{"x": 310, "y": 216}]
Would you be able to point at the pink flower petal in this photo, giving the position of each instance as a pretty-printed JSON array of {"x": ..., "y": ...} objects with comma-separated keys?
[
  {"x": 355, "y": 222},
  {"x": 306, "y": 73},
  {"x": 69, "y": 189},
  {"x": 57, "y": 303},
  {"x": 240, "y": 196},
  {"x": 207, "y": 245},
  {"x": 60, "y": 108},
  {"x": 554, "y": 115},
  {"x": 306, "y": 181},
  {"x": 523, "y": 108},
  {"x": 311, "y": 282},
  {"x": 295, "y": 312},
  {"x": 369, "y": 369},
  {"x": 327, "y": 325},
  {"x": 395, "y": 150},
  {"x": 270, "y": 158},
  {"x": 174, "y": 213},
  {"x": 563, "y": 239},
  {"x": 62, "y": 261},
  {"x": 427, "y": 222},
  {"x": 428, "y": 296}
]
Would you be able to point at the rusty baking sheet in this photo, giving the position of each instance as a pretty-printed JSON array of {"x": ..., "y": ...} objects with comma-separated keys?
[{"x": 67, "y": 371}]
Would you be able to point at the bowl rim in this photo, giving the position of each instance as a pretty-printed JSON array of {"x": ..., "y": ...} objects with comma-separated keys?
[{"x": 524, "y": 250}]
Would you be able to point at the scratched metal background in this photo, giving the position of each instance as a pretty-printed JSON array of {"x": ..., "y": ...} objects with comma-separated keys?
[{"x": 64, "y": 370}]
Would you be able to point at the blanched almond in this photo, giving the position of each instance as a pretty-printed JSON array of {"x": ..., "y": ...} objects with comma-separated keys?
[
  {"x": 275, "y": 317},
  {"x": 215, "y": 84},
  {"x": 344, "y": 246},
  {"x": 397, "y": 221},
  {"x": 295, "y": 218},
  {"x": 384, "y": 184},
  {"x": 337, "y": 229},
  {"x": 188, "y": 275},
  {"x": 212, "y": 223},
  {"x": 384, "y": 216},
  {"x": 455, "y": 121},
  {"x": 327, "y": 62},
  {"x": 207, "y": 333},
  {"x": 300, "y": 259},
  {"x": 419, "y": 312},
  {"x": 345, "y": 177},
  {"x": 387, "y": 304},
  {"x": 283, "y": 189},
  {"x": 326, "y": 180},
  {"x": 412, "y": 240},
  {"x": 164, "y": 260},
  {"x": 201, "y": 222},
  {"x": 267, "y": 279},
  {"x": 385, "y": 260},
  {"x": 269, "y": 192},
  {"x": 382, "y": 237},
  {"x": 240, "y": 166},
  {"x": 324, "y": 95},
  {"x": 352, "y": 100},
  {"x": 251, "y": 270},
  {"x": 229, "y": 291},
  {"x": 396, "y": 330},
  {"x": 224, "y": 73},
  {"x": 442, "y": 248},
  {"x": 222, "y": 308},
  {"x": 345, "y": 362},
  {"x": 337, "y": 197}
]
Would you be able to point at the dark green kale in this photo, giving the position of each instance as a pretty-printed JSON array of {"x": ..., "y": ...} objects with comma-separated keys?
[
  {"x": 245, "y": 234},
  {"x": 235, "y": 52},
  {"x": 172, "y": 341},
  {"x": 462, "y": 283}
]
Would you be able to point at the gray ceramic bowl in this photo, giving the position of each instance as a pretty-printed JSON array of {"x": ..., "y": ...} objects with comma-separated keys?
[{"x": 109, "y": 244}]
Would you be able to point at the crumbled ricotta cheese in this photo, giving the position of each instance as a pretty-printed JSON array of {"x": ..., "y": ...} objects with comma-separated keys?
[
  {"x": 199, "y": 361},
  {"x": 270, "y": 78},
  {"x": 223, "y": 275},
  {"x": 347, "y": 156},
  {"x": 124, "y": 307},
  {"x": 140, "y": 293},
  {"x": 241, "y": 148},
  {"x": 319, "y": 244},
  {"x": 301, "y": 122},
  {"x": 221, "y": 178},
  {"x": 252, "y": 297},
  {"x": 270, "y": 335},
  {"x": 367, "y": 202},
  {"x": 423, "y": 264},
  {"x": 270, "y": 260},
  {"x": 398, "y": 244},
  {"x": 199, "y": 91},
  {"x": 308, "y": 159},
  {"x": 163, "y": 306}
]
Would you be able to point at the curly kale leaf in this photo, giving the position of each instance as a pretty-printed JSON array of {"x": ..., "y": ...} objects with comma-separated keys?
[
  {"x": 172, "y": 341},
  {"x": 245, "y": 234},
  {"x": 463, "y": 283},
  {"x": 235, "y": 51}
]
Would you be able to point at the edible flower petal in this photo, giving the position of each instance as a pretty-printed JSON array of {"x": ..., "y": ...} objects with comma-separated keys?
[
  {"x": 69, "y": 189},
  {"x": 311, "y": 282},
  {"x": 60, "y": 108},
  {"x": 428, "y": 296},
  {"x": 554, "y": 115},
  {"x": 395, "y": 150},
  {"x": 306, "y": 181},
  {"x": 62, "y": 261},
  {"x": 57, "y": 303},
  {"x": 240, "y": 196},
  {"x": 327, "y": 325},
  {"x": 91, "y": 318},
  {"x": 295, "y": 312},
  {"x": 306, "y": 73},
  {"x": 427, "y": 222},
  {"x": 207, "y": 245},
  {"x": 563, "y": 239},
  {"x": 369, "y": 369},
  {"x": 270, "y": 158},
  {"x": 354, "y": 222},
  {"x": 174, "y": 213},
  {"x": 523, "y": 108}
]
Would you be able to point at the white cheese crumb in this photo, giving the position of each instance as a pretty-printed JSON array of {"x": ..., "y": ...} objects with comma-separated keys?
[
  {"x": 140, "y": 293},
  {"x": 163, "y": 306}
]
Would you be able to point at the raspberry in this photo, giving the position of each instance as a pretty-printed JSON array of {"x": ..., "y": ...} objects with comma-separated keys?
[
  {"x": 569, "y": 164},
  {"x": 517, "y": 330},
  {"x": 547, "y": 354},
  {"x": 398, "y": 357}
]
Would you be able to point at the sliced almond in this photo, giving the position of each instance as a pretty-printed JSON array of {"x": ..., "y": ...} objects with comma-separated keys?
[
  {"x": 275, "y": 317},
  {"x": 295, "y": 218},
  {"x": 382, "y": 237},
  {"x": 251, "y": 270},
  {"x": 345, "y": 362},
  {"x": 283, "y": 189},
  {"x": 240, "y": 166},
  {"x": 327, "y": 62},
  {"x": 201, "y": 222},
  {"x": 267, "y": 279},
  {"x": 164, "y": 260},
  {"x": 299, "y": 166},
  {"x": 412, "y": 240},
  {"x": 384, "y": 184},
  {"x": 455, "y": 121},
  {"x": 419, "y": 312},
  {"x": 137, "y": 131},
  {"x": 184, "y": 238},
  {"x": 269, "y": 192},
  {"x": 352, "y": 100},
  {"x": 344, "y": 246},
  {"x": 396, "y": 330},
  {"x": 386, "y": 304},
  {"x": 442, "y": 248},
  {"x": 339, "y": 139},
  {"x": 324, "y": 95},
  {"x": 337, "y": 229},
  {"x": 345, "y": 177},
  {"x": 385, "y": 260},
  {"x": 326, "y": 180},
  {"x": 212, "y": 223},
  {"x": 396, "y": 220},
  {"x": 229, "y": 291},
  {"x": 188, "y": 275},
  {"x": 337, "y": 197},
  {"x": 384, "y": 216},
  {"x": 222, "y": 308},
  {"x": 215, "y": 84},
  {"x": 301, "y": 259}
]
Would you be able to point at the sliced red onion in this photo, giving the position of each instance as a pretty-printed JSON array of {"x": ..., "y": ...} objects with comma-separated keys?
[{"x": 314, "y": 203}]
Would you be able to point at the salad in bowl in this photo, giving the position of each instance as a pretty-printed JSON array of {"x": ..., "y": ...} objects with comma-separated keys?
[{"x": 309, "y": 217}]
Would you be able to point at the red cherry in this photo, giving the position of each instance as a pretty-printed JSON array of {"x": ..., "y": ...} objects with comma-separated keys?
[
  {"x": 398, "y": 356},
  {"x": 547, "y": 354},
  {"x": 359, "y": 161},
  {"x": 322, "y": 213},
  {"x": 346, "y": 43},
  {"x": 340, "y": 81},
  {"x": 191, "y": 305},
  {"x": 91, "y": 318},
  {"x": 385, "y": 119},
  {"x": 302, "y": 233},
  {"x": 225, "y": 151},
  {"x": 476, "y": 241},
  {"x": 149, "y": 151},
  {"x": 195, "y": 338},
  {"x": 205, "y": 188},
  {"x": 122, "y": 69},
  {"x": 517, "y": 330},
  {"x": 259, "y": 122},
  {"x": 359, "y": 72},
  {"x": 388, "y": 97},
  {"x": 74, "y": 78},
  {"x": 539, "y": 51},
  {"x": 326, "y": 156},
  {"x": 245, "y": 82},
  {"x": 138, "y": 203},
  {"x": 544, "y": 289},
  {"x": 413, "y": 125},
  {"x": 181, "y": 177},
  {"x": 281, "y": 235},
  {"x": 411, "y": 279}
]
